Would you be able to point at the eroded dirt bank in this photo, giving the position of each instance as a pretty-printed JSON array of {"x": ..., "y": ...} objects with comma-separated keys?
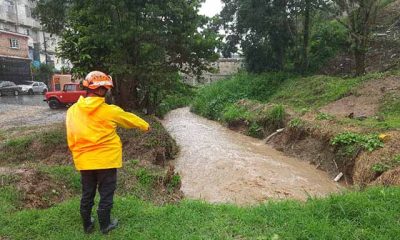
[{"x": 219, "y": 165}]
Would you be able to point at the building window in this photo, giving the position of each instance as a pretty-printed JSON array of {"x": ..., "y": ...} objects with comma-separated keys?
[
  {"x": 28, "y": 32},
  {"x": 28, "y": 11},
  {"x": 10, "y": 5},
  {"x": 14, "y": 43}
]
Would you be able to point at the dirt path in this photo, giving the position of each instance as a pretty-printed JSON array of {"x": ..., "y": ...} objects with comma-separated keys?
[{"x": 219, "y": 165}]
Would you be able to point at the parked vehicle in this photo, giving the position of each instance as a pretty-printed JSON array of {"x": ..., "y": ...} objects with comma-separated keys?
[
  {"x": 58, "y": 80},
  {"x": 9, "y": 88},
  {"x": 68, "y": 96},
  {"x": 34, "y": 87}
]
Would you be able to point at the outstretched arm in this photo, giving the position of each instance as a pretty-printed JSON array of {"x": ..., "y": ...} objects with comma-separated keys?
[{"x": 128, "y": 120}]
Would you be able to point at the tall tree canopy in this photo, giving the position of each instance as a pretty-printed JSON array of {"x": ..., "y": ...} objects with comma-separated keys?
[
  {"x": 143, "y": 43},
  {"x": 267, "y": 30}
]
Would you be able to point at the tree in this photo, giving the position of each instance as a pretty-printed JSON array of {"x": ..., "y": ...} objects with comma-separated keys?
[
  {"x": 268, "y": 29},
  {"x": 142, "y": 43},
  {"x": 263, "y": 29},
  {"x": 359, "y": 16},
  {"x": 43, "y": 73}
]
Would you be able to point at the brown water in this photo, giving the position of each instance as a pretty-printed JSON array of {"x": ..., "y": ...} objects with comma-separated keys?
[{"x": 219, "y": 165}]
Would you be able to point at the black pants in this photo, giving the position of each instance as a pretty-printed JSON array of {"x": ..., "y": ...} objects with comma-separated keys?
[{"x": 105, "y": 180}]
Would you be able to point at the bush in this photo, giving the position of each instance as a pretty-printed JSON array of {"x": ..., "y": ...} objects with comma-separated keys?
[
  {"x": 276, "y": 116},
  {"x": 327, "y": 39},
  {"x": 296, "y": 123},
  {"x": 234, "y": 113},
  {"x": 255, "y": 130},
  {"x": 211, "y": 100},
  {"x": 368, "y": 142}
]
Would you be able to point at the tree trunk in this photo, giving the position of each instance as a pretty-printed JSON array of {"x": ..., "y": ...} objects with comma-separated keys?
[
  {"x": 359, "y": 57},
  {"x": 126, "y": 94},
  {"x": 306, "y": 36}
]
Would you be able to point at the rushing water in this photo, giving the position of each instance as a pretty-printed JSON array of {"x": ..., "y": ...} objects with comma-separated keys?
[{"x": 219, "y": 165}]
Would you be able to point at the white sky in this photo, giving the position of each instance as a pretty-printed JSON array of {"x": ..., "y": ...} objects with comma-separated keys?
[{"x": 211, "y": 7}]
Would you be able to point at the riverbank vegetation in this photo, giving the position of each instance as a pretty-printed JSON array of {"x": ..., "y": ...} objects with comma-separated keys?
[{"x": 370, "y": 214}]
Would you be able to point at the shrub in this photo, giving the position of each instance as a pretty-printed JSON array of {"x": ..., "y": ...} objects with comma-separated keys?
[
  {"x": 380, "y": 167},
  {"x": 255, "y": 130},
  {"x": 327, "y": 39},
  {"x": 211, "y": 100},
  {"x": 276, "y": 116},
  {"x": 233, "y": 113},
  {"x": 367, "y": 142},
  {"x": 296, "y": 123},
  {"x": 144, "y": 177}
]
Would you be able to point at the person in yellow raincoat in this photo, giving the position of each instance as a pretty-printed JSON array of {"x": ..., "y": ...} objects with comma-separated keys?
[{"x": 96, "y": 148}]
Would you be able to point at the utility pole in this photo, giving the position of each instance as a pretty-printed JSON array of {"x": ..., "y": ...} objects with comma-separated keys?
[
  {"x": 45, "y": 47},
  {"x": 16, "y": 16}
]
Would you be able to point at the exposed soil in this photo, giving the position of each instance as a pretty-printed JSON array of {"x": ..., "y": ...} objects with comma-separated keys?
[
  {"x": 310, "y": 140},
  {"x": 364, "y": 163},
  {"x": 48, "y": 147},
  {"x": 36, "y": 189},
  {"x": 365, "y": 101},
  {"x": 391, "y": 177}
]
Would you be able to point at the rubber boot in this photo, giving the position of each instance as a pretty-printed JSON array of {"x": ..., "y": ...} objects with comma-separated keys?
[
  {"x": 106, "y": 225},
  {"x": 88, "y": 221}
]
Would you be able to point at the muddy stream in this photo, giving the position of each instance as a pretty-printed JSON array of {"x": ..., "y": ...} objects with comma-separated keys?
[{"x": 220, "y": 165}]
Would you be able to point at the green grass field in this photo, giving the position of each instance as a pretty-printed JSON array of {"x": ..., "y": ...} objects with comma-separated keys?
[{"x": 371, "y": 214}]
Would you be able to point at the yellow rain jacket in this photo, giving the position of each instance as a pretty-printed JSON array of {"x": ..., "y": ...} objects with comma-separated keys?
[{"x": 91, "y": 133}]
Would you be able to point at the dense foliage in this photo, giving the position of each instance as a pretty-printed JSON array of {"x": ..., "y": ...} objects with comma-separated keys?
[
  {"x": 142, "y": 43},
  {"x": 281, "y": 34}
]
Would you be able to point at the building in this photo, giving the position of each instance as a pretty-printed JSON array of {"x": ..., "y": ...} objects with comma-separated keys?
[
  {"x": 224, "y": 68},
  {"x": 14, "y": 57},
  {"x": 16, "y": 16}
]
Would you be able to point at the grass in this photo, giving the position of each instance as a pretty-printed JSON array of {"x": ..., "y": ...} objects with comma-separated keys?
[
  {"x": 9, "y": 196},
  {"x": 63, "y": 174},
  {"x": 388, "y": 116},
  {"x": 316, "y": 91},
  {"x": 370, "y": 214},
  {"x": 211, "y": 100},
  {"x": 33, "y": 145},
  {"x": 296, "y": 92}
]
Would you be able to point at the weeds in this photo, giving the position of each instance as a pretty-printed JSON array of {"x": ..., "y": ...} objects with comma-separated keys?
[
  {"x": 174, "y": 183},
  {"x": 368, "y": 142},
  {"x": 234, "y": 113},
  {"x": 380, "y": 168},
  {"x": 324, "y": 116},
  {"x": 296, "y": 123},
  {"x": 255, "y": 130},
  {"x": 384, "y": 166},
  {"x": 144, "y": 177}
]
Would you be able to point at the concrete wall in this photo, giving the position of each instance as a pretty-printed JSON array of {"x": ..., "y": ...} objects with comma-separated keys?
[{"x": 225, "y": 67}]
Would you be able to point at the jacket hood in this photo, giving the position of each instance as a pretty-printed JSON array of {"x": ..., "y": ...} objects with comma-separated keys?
[{"x": 89, "y": 104}]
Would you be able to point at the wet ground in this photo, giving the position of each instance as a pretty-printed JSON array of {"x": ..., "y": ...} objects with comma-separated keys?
[
  {"x": 219, "y": 165},
  {"x": 28, "y": 100},
  {"x": 27, "y": 110}
]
